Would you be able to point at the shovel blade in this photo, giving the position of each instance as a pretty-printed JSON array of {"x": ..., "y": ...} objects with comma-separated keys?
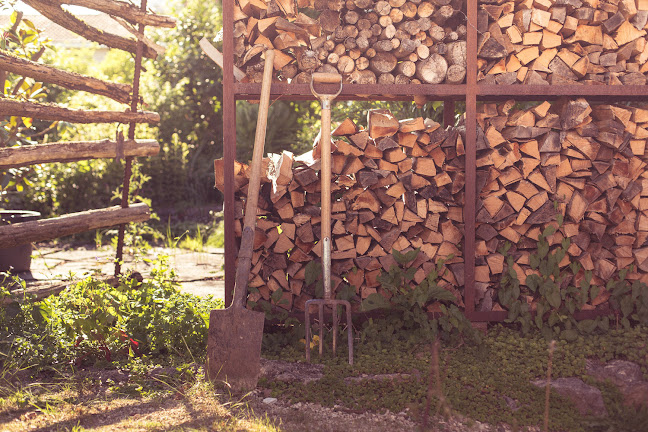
[{"x": 234, "y": 347}]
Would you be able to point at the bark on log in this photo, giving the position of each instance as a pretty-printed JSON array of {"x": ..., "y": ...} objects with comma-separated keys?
[
  {"x": 12, "y": 157},
  {"x": 74, "y": 81},
  {"x": 125, "y": 10},
  {"x": 54, "y": 12},
  {"x": 48, "y": 229},
  {"x": 57, "y": 113}
]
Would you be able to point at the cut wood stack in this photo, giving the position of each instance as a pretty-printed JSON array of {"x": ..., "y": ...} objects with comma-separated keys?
[
  {"x": 563, "y": 42},
  {"x": 367, "y": 41},
  {"x": 586, "y": 162},
  {"x": 397, "y": 185}
]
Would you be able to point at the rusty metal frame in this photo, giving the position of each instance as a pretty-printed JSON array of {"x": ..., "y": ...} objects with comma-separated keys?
[{"x": 471, "y": 92}]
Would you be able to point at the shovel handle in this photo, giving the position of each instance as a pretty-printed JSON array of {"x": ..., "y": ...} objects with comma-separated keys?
[
  {"x": 249, "y": 222},
  {"x": 326, "y": 77}
]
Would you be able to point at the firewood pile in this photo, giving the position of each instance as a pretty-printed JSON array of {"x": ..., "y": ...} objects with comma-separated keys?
[
  {"x": 584, "y": 161},
  {"x": 367, "y": 41},
  {"x": 563, "y": 42},
  {"x": 397, "y": 185}
]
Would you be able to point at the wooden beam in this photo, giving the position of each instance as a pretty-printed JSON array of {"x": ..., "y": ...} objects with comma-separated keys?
[
  {"x": 52, "y": 10},
  {"x": 71, "y": 80},
  {"x": 129, "y": 12},
  {"x": 53, "y": 112},
  {"x": 49, "y": 229},
  {"x": 13, "y": 157}
]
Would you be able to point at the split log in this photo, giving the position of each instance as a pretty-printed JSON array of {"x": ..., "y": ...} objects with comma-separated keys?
[
  {"x": 57, "y": 113},
  {"x": 551, "y": 43},
  {"x": 48, "y": 229},
  {"x": 398, "y": 185},
  {"x": 570, "y": 158},
  {"x": 12, "y": 157},
  {"x": 350, "y": 38}
]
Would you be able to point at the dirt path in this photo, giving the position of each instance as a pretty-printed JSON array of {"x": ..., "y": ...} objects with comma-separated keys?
[{"x": 199, "y": 273}]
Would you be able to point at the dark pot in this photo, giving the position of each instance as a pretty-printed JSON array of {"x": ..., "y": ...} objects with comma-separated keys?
[{"x": 17, "y": 258}]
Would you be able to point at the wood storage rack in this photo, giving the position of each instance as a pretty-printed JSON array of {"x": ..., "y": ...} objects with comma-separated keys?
[
  {"x": 471, "y": 92},
  {"x": 134, "y": 19}
]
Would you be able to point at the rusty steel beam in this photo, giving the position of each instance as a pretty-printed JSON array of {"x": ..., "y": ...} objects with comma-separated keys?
[
  {"x": 471, "y": 157},
  {"x": 354, "y": 91},
  {"x": 229, "y": 147}
]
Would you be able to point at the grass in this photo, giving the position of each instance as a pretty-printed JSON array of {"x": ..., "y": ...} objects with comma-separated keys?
[{"x": 476, "y": 382}]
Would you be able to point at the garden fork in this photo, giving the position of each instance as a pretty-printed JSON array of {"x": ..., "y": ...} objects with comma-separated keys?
[{"x": 325, "y": 238}]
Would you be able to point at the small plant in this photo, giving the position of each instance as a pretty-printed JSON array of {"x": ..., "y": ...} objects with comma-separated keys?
[
  {"x": 629, "y": 302},
  {"x": 552, "y": 289},
  {"x": 407, "y": 308}
]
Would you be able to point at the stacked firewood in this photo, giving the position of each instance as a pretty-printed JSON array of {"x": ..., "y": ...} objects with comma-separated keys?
[
  {"x": 397, "y": 185},
  {"x": 563, "y": 42},
  {"x": 367, "y": 41},
  {"x": 585, "y": 162}
]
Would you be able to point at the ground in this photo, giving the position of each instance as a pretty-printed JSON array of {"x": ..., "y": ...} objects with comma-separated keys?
[{"x": 199, "y": 273}]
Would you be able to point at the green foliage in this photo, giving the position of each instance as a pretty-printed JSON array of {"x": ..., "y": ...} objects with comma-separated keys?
[
  {"x": 560, "y": 291},
  {"x": 406, "y": 315},
  {"x": 629, "y": 301},
  {"x": 96, "y": 320},
  {"x": 185, "y": 88},
  {"x": 477, "y": 380},
  {"x": 21, "y": 39}
]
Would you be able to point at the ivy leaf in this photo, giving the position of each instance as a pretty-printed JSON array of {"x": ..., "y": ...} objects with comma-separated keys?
[
  {"x": 374, "y": 301},
  {"x": 553, "y": 297}
]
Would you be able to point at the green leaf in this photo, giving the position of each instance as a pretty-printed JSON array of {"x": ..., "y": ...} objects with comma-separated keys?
[
  {"x": 549, "y": 231},
  {"x": 312, "y": 272},
  {"x": 553, "y": 297},
  {"x": 587, "y": 326},
  {"x": 408, "y": 257},
  {"x": 569, "y": 335},
  {"x": 374, "y": 301}
]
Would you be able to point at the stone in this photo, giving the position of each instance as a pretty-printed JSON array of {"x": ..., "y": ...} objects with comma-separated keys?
[
  {"x": 586, "y": 398},
  {"x": 269, "y": 400},
  {"x": 627, "y": 376}
]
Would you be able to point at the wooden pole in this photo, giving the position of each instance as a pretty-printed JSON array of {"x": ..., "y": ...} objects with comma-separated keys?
[
  {"x": 13, "y": 157},
  {"x": 48, "y": 229},
  {"x": 70, "y": 80},
  {"x": 58, "y": 113}
]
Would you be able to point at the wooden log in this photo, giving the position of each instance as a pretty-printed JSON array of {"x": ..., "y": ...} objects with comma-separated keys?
[
  {"x": 48, "y": 74},
  {"x": 49, "y": 229},
  {"x": 65, "y": 19},
  {"x": 12, "y": 157},
  {"x": 127, "y": 11},
  {"x": 58, "y": 113}
]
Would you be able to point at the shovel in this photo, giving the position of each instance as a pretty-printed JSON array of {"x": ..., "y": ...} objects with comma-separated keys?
[{"x": 235, "y": 334}]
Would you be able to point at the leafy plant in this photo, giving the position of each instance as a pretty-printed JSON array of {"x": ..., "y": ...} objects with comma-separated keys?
[
  {"x": 628, "y": 301},
  {"x": 150, "y": 317},
  {"x": 407, "y": 307},
  {"x": 556, "y": 290},
  {"x": 21, "y": 39}
]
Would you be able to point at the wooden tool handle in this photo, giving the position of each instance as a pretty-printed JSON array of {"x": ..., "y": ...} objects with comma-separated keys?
[
  {"x": 327, "y": 77},
  {"x": 249, "y": 222},
  {"x": 325, "y": 178}
]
